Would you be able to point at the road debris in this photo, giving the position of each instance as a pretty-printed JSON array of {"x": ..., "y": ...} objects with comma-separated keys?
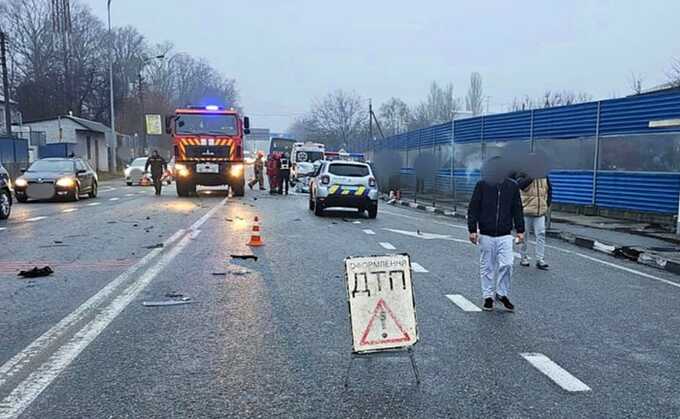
[
  {"x": 111, "y": 222},
  {"x": 174, "y": 295},
  {"x": 219, "y": 274},
  {"x": 154, "y": 246},
  {"x": 229, "y": 220},
  {"x": 165, "y": 303},
  {"x": 36, "y": 272},
  {"x": 244, "y": 257},
  {"x": 58, "y": 242}
]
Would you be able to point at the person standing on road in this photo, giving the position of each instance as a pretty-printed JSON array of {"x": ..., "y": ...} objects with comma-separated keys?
[
  {"x": 273, "y": 172},
  {"x": 495, "y": 208},
  {"x": 536, "y": 200},
  {"x": 284, "y": 174},
  {"x": 158, "y": 167},
  {"x": 258, "y": 168}
]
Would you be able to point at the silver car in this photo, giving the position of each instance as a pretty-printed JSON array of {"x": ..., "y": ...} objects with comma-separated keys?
[
  {"x": 344, "y": 184},
  {"x": 135, "y": 173}
]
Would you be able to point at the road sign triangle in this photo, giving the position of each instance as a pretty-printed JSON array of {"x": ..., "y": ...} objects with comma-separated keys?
[{"x": 383, "y": 328}]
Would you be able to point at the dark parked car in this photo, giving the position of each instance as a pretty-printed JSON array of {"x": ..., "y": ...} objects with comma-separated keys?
[
  {"x": 56, "y": 178},
  {"x": 5, "y": 194}
]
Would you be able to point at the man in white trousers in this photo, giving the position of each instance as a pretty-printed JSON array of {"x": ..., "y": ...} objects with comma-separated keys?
[{"x": 494, "y": 210}]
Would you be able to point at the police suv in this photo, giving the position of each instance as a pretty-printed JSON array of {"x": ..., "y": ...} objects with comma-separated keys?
[{"x": 344, "y": 184}]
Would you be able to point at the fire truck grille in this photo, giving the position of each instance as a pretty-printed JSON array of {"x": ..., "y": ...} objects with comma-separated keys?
[{"x": 202, "y": 151}]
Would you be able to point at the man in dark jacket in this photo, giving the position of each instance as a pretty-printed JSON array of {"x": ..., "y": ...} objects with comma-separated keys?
[
  {"x": 495, "y": 208},
  {"x": 158, "y": 167},
  {"x": 284, "y": 174}
]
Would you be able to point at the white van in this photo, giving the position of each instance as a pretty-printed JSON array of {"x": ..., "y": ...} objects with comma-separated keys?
[{"x": 302, "y": 158}]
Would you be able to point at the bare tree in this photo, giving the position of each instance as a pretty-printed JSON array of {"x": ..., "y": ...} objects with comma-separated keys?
[
  {"x": 522, "y": 104},
  {"x": 474, "y": 101},
  {"x": 395, "y": 115},
  {"x": 439, "y": 107},
  {"x": 635, "y": 82},
  {"x": 339, "y": 119},
  {"x": 674, "y": 73}
]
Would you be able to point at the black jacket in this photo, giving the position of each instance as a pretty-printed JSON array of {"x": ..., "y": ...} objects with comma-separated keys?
[
  {"x": 495, "y": 209},
  {"x": 158, "y": 166}
]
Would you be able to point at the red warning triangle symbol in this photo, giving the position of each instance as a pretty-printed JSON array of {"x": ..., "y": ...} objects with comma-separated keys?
[{"x": 380, "y": 330}]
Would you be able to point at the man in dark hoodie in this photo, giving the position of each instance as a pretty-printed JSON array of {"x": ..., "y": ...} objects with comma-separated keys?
[{"x": 495, "y": 208}]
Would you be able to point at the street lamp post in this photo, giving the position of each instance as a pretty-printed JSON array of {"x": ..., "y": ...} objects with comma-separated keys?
[{"x": 113, "y": 113}]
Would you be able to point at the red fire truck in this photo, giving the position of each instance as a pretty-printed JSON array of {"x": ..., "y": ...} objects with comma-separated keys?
[{"x": 208, "y": 148}]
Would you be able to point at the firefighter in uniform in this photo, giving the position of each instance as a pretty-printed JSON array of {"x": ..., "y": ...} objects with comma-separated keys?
[
  {"x": 258, "y": 168},
  {"x": 158, "y": 167}
]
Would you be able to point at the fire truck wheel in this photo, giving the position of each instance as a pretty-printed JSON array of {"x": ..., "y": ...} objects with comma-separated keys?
[
  {"x": 238, "y": 189},
  {"x": 182, "y": 189}
]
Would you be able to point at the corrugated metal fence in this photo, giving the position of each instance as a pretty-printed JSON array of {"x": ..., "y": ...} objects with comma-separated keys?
[{"x": 604, "y": 154}]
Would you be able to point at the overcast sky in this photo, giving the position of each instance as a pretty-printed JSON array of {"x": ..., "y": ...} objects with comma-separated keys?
[{"x": 285, "y": 53}]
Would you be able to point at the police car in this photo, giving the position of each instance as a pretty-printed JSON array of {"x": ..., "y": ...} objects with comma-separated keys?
[{"x": 345, "y": 184}]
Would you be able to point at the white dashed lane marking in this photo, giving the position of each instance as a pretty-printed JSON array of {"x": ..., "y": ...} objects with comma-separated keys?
[
  {"x": 369, "y": 232},
  {"x": 114, "y": 199},
  {"x": 418, "y": 268},
  {"x": 93, "y": 204},
  {"x": 67, "y": 210},
  {"x": 463, "y": 303},
  {"x": 35, "y": 219},
  {"x": 129, "y": 194},
  {"x": 3, "y": 228},
  {"x": 387, "y": 246},
  {"x": 356, "y": 222},
  {"x": 559, "y": 375}
]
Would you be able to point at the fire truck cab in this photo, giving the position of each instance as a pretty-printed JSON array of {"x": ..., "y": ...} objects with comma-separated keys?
[{"x": 208, "y": 148}]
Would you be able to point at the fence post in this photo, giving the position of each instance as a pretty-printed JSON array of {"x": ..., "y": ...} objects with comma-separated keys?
[
  {"x": 532, "y": 146},
  {"x": 597, "y": 153},
  {"x": 481, "y": 140},
  {"x": 453, "y": 166}
]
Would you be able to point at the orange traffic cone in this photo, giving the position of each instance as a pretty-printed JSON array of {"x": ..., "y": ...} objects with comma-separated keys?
[{"x": 255, "y": 239}]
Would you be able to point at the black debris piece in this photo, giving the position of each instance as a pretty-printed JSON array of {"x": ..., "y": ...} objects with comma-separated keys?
[
  {"x": 254, "y": 198},
  {"x": 111, "y": 222},
  {"x": 174, "y": 295},
  {"x": 37, "y": 272},
  {"x": 154, "y": 246},
  {"x": 58, "y": 242},
  {"x": 135, "y": 225},
  {"x": 219, "y": 274},
  {"x": 297, "y": 219},
  {"x": 148, "y": 218},
  {"x": 229, "y": 220},
  {"x": 244, "y": 257}
]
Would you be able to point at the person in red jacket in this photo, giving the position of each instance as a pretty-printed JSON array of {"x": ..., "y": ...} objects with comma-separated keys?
[{"x": 273, "y": 172}]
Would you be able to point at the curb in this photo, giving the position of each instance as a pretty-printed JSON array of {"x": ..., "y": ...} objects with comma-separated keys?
[{"x": 635, "y": 254}]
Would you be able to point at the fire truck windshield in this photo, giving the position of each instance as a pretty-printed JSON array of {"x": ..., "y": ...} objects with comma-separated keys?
[{"x": 206, "y": 124}]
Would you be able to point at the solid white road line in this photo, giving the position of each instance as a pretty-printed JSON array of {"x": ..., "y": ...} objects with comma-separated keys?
[
  {"x": 418, "y": 267},
  {"x": 114, "y": 199},
  {"x": 67, "y": 210},
  {"x": 559, "y": 375},
  {"x": 93, "y": 204},
  {"x": 29, "y": 389},
  {"x": 195, "y": 233},
  {"x": 22, "y": 396},
  {"x": 463, "y": 303},
  {"x": 387, "y": 246},
  {"x": 421, "y": 219},
  {"x": 12, "y": 367},
  {"x": 35, "y": 219},
  {"x": 615, "y": 266},
  {"x": 369, "y": 232}
]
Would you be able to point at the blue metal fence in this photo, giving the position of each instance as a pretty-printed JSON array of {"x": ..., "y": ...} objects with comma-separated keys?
[{"x": 651, "y": 191}]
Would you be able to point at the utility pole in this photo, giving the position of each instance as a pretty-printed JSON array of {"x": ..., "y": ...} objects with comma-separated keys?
[
  {"x": 5, "y": 83},
  {"x": 370, "y": 120},
  {"x": 113, "y": 113},
  {"x": 141, "y": 104}
]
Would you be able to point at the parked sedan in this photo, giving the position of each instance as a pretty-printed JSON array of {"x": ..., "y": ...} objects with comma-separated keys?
[
  {"x": 56, "y": 178},
  {"x": 5, "y": 194}
]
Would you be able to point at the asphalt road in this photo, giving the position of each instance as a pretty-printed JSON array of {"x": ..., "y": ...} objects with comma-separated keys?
[{"x": 271, "y": 338}]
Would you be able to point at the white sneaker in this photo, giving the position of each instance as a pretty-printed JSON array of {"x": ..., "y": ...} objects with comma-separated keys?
[{"x": 524, "y": 261}]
